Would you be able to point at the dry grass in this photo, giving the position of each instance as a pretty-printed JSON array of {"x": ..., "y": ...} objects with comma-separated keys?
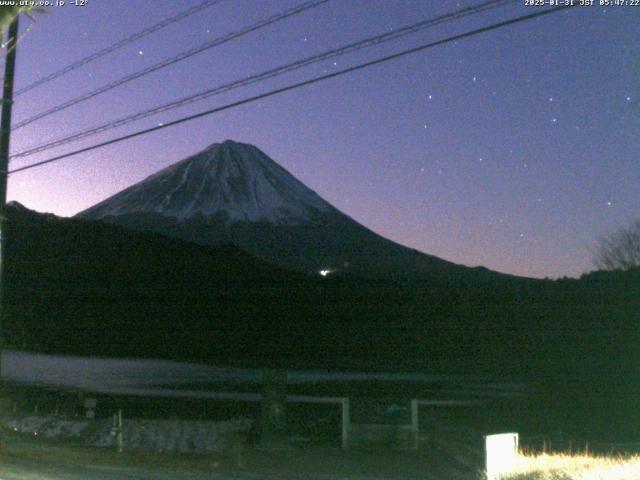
[{"x": 575, "y": 467}]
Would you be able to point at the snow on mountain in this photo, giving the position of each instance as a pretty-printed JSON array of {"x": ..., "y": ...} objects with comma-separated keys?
[{"x": 233, "y": 182}]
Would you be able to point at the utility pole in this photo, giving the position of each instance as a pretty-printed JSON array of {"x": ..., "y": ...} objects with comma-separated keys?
[{"x": 5, "y": 135}]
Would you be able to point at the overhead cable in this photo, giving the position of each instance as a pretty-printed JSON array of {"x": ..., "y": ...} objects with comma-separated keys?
[{"x": 294, "y": 86}]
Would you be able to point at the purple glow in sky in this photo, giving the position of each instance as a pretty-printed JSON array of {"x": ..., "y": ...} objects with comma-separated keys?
[{"x": 514, "y": 149}]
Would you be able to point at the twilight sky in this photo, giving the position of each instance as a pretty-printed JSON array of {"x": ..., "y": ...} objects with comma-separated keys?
[{"x": 514, "y": 149}]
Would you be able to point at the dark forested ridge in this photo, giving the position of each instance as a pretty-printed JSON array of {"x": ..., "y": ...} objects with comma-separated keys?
[{"x": 86, "y": 287}]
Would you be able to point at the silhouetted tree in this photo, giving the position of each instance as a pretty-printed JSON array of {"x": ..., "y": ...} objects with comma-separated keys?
[{"x": 619, "y": 250}]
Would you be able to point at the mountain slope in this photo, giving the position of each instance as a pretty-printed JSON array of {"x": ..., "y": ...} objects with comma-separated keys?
[{"x": 232, "y": 193}]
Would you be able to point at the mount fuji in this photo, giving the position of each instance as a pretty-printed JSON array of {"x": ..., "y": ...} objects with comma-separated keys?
[{"x": 233, "y": 193}]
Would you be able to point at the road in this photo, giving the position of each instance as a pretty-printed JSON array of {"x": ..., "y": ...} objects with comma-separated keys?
[{"x": 14, "y": 468}]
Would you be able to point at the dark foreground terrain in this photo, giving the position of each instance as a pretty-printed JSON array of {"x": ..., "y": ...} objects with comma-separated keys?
[
  {"x": 86, "y": 288},
  {"x": 29, "y": 457}
]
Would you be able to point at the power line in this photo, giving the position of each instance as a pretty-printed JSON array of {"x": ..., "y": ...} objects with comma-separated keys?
[
  {"x": 371, "y": 41},
  {"x": 294, "y": 86},
  {"x": 118, "y": 45},
  {"x": 268, "y": 74},
  {"x": 177, "y": 58}
]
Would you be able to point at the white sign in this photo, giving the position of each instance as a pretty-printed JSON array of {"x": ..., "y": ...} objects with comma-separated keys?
[{"x": 501, "y": 453}]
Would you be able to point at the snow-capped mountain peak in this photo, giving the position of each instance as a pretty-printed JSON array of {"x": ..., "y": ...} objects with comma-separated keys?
[{"x": 230, "y": 181}]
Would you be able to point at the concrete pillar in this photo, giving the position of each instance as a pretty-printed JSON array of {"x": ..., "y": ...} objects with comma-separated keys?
[
  {"x": 273, "y": 419},
  {"x": 415, "y": 424},
  {"x": 346, "y": 420}
]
